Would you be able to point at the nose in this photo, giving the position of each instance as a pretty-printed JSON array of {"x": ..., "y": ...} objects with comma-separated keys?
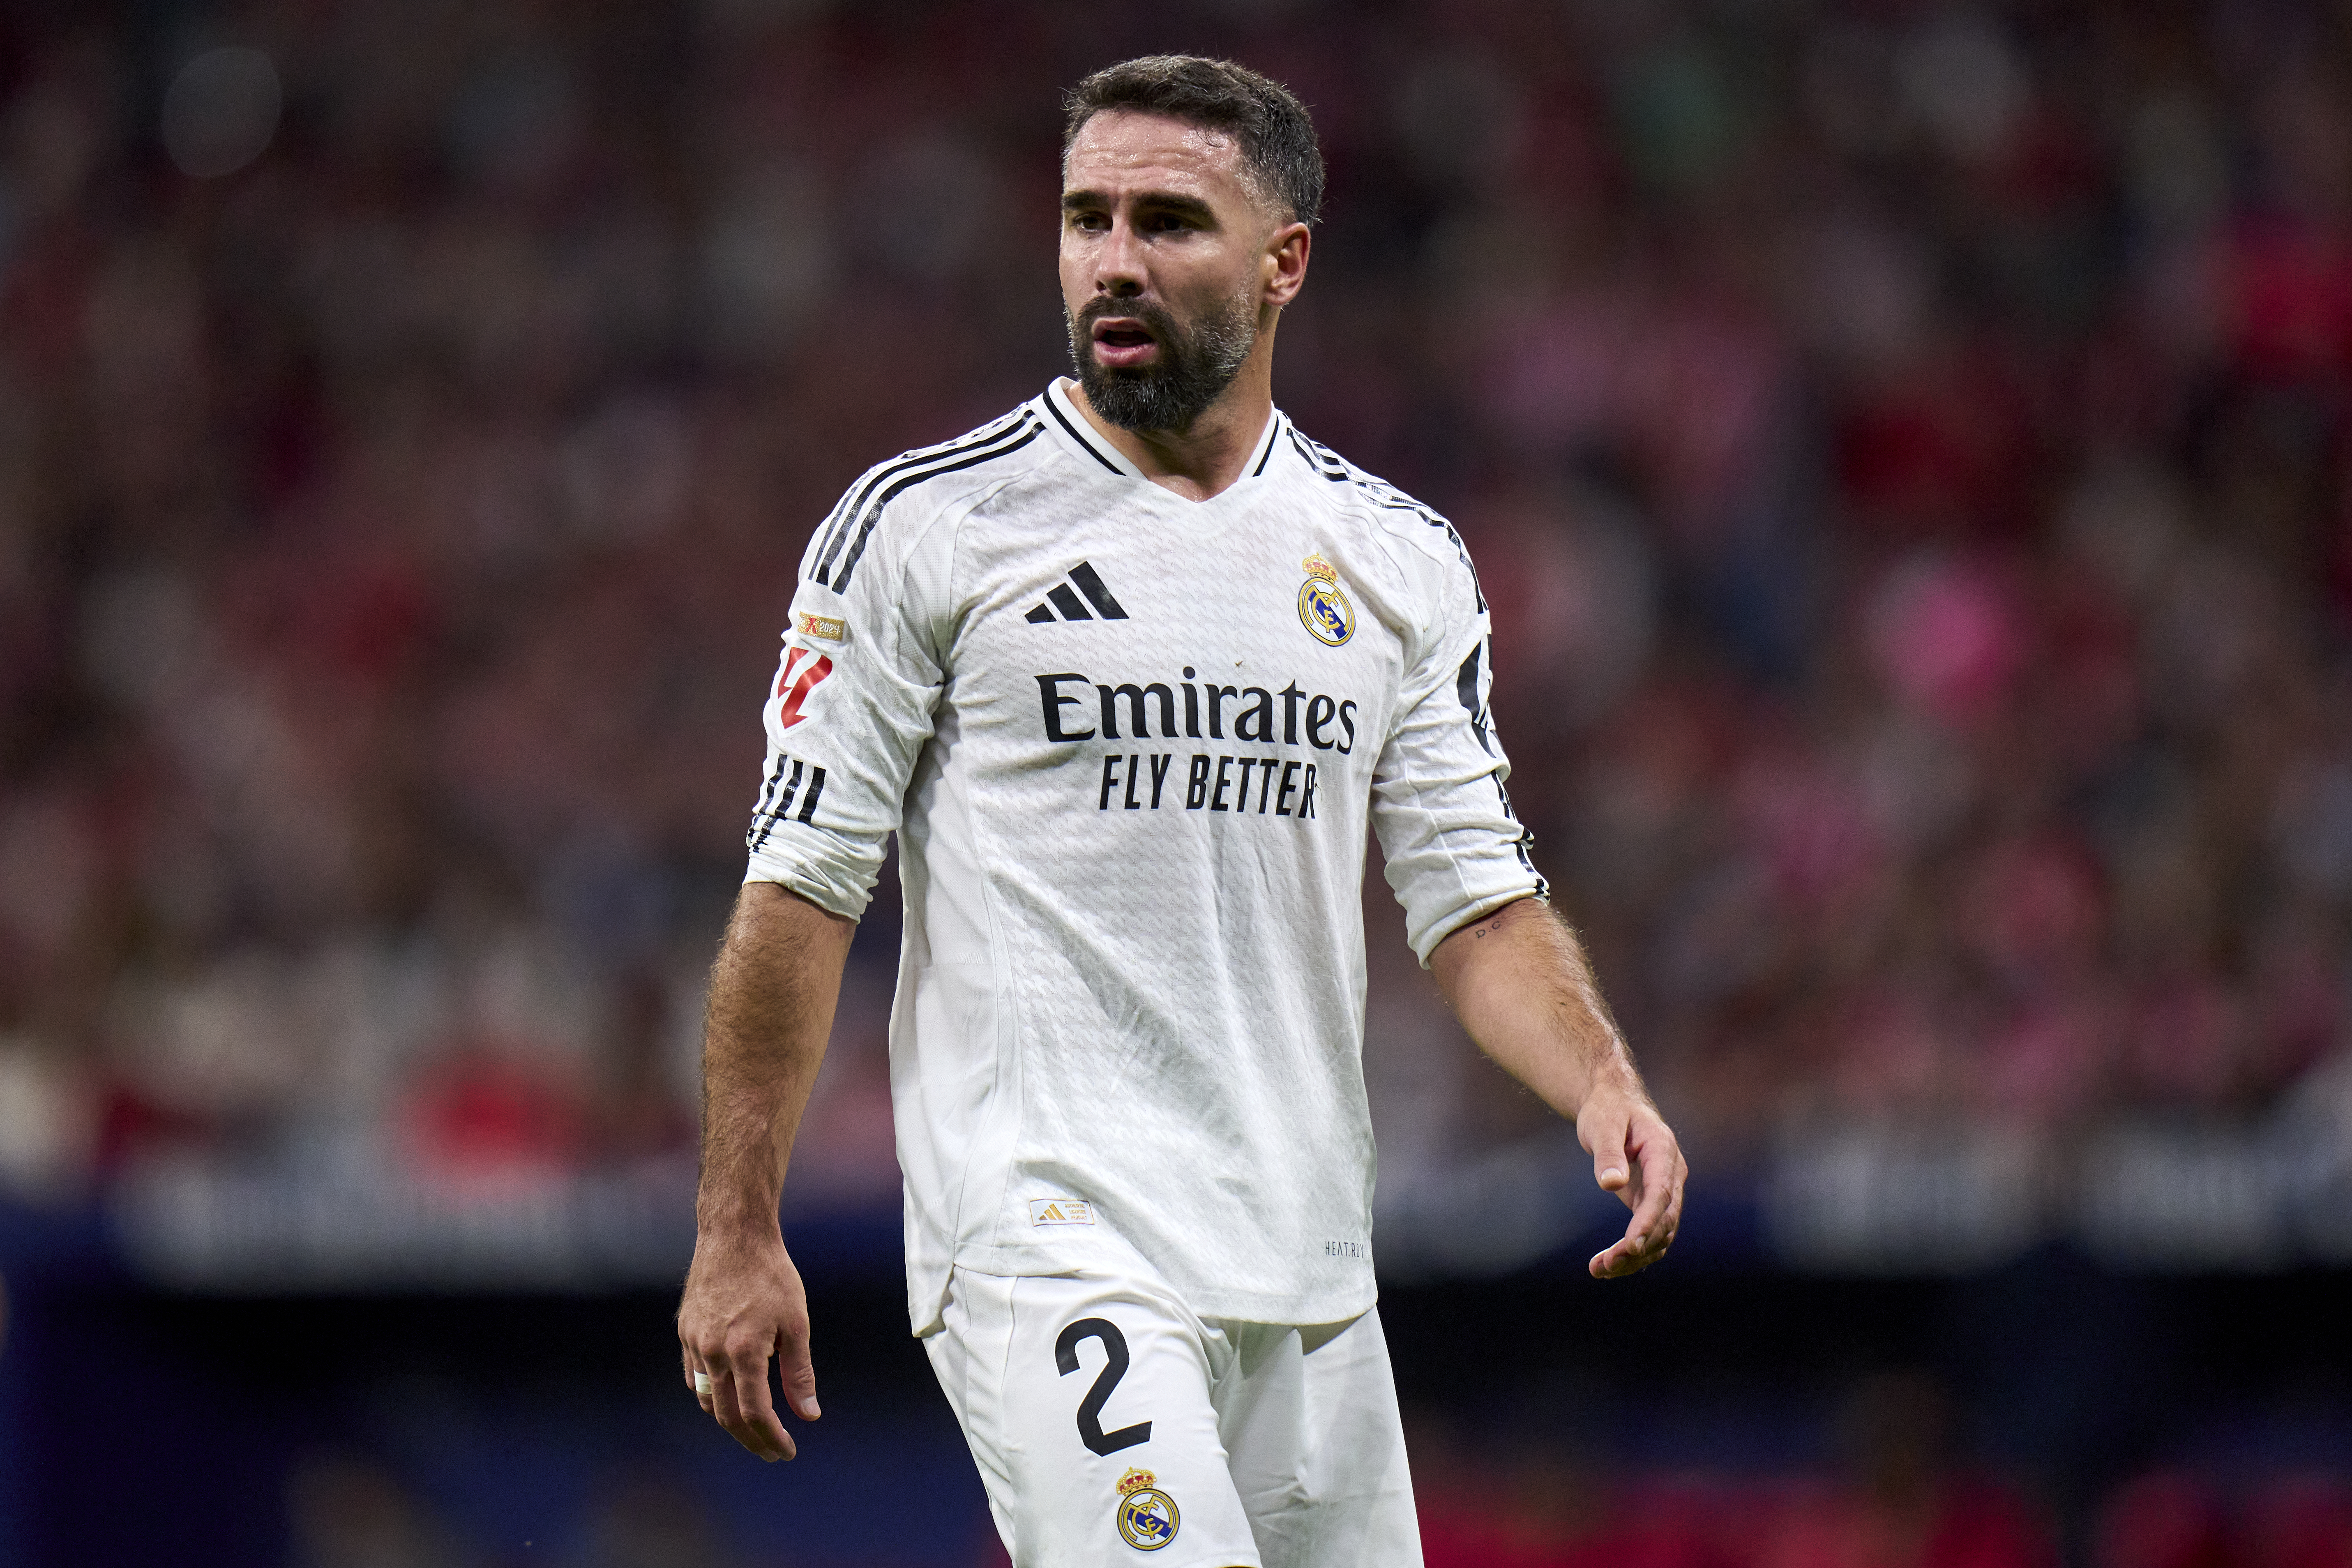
[{"x": 1118, "y": 262}]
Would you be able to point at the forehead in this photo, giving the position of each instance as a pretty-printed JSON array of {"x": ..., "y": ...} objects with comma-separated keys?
[{"x": 1120, "y": 151}]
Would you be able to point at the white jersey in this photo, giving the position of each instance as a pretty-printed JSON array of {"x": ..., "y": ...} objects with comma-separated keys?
[{"x": 1130, "y": 745}]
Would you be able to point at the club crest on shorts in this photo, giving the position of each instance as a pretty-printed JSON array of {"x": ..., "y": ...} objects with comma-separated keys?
[
  {"x": 1322, "y": 608},
  {"x": 1146, "y": 1516}
]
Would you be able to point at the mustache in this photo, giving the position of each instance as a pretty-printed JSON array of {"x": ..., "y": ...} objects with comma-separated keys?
[{"x": 1155, "y": 318}]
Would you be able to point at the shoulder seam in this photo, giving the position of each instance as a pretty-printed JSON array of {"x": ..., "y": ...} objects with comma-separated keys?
[
  {"x": 852, "y": 525},
  {"x": 958, "y": 518},
  {"x": 854, "y": 499},
  {"x": 1385, "y": 497}
]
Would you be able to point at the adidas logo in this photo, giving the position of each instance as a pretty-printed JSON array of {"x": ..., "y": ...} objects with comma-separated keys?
[{"x": 1073, "y": 609}]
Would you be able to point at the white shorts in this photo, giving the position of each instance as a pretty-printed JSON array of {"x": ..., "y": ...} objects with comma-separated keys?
[{"x": 1112, "y": 1425}]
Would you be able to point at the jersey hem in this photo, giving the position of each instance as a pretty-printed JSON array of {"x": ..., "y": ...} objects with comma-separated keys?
[{"x": 1336, "y": 1305}]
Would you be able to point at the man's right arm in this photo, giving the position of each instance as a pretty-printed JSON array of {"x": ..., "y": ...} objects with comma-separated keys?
[{"x": 771, "y": 1009}]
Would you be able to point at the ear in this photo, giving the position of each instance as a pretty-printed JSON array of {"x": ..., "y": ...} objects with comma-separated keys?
[{"x": 1283, "y": 265}]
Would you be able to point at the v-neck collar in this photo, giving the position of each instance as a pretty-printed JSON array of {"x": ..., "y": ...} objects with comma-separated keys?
[{"x": 1080, "y": 432}]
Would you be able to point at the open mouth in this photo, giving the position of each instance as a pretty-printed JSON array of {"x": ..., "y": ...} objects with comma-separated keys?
[{"x": 1124, "y": 342}]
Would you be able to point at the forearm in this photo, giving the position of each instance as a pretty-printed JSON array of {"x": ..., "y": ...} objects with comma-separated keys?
[
  {"x": 1520, "y": 983},
  {"x": 771, "y": 1008}
]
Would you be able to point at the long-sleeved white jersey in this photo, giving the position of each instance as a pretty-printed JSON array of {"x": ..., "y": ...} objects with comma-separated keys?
[{"x": 1129, "y": 743}]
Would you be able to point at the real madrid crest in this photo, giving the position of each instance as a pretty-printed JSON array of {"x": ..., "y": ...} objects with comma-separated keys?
[
  {"x": 1322, "y": 608},
  {"x": 1146, "y": 1516}
]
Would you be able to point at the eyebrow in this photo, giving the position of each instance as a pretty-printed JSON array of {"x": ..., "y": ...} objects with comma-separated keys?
[{"x": 1160, "y": 201}]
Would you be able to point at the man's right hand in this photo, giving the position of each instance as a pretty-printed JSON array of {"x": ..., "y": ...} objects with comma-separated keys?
[{"x": 744, "y": 1303}]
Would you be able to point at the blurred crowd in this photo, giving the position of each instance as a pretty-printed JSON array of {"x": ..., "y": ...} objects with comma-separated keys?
[
  {"x": 1893, "y": 1489},
  {"x": 1908, "y": 448}
]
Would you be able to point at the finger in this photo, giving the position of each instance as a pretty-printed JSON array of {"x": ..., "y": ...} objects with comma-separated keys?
[
  {"x": 755, "y": 1425},
  {"x": 1627, "y": 1255},
  {"x": 1644, "y": 1245},
  {"x": 797, "y": 1372},
  {"x": 1608, "y": 1145},
  {"x": 726, "y": 1407},
  {"x": 1672, "y": 1220},
  {"x": 1656, "y": 1188},
  {"x": 720, "y": 1398}
]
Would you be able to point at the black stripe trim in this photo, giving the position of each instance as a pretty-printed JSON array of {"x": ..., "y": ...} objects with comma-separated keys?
[
  {"x": 1339, "y": 475},
  {"x": 1466, "y": 686},
  {"x": 754, "y": 835},
  {"x": 1275, "y": 427},
  {"x": 1387, "y": 497},
  {"x": 852, "y": 503},
  {"x": 1053, "y": 406},
  {"x": 855, "y": 504},
  {"x": 1041, "y": 616},
  {"x": 1068, "y": 603},
  {"x": 783, "y": 804},
  {"x": 767, "y": 790},
  {"x": 988, "y": 439},
  {"x": 874, "y": 510},
  {"x": 832, "y": 528},
  {"x": 1091, "y": 585},
  {"x": 817, "y": 788}
]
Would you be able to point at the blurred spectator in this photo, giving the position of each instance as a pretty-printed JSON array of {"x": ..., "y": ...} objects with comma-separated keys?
[
  {"x": 652, "y": 1520},
  {"x": 346, "y": 1513},
  {"x": 1905, "y": 1503},
  {"x": 1907, "y": 451},
  {"x": 2302, "y": 1521},
  {"x": 2165, "y": 1520}
]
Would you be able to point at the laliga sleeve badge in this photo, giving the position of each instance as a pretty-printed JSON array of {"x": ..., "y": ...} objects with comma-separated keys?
[
  {"x": 1322, "y": 608},
  {"x": 1146, "y": 1516}
]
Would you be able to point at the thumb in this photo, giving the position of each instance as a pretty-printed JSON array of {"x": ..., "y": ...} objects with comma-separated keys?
[
  {"x": 798, "y": 1375},
  {"x": 1607, "y": 1142}
]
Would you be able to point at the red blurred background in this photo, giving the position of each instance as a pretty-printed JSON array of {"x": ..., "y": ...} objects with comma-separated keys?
[{"x": 1908, "y": 453}]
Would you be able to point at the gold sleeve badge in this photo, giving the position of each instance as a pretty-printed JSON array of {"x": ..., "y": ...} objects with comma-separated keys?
[
  {"x": 1322, "y": 608},
  {"x": 1146, "y": 1516}
]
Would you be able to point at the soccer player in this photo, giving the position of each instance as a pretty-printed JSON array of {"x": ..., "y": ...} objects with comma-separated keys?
[{"x": 1130, "y": 672}]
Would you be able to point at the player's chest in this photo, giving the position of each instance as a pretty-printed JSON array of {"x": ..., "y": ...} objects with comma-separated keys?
[{"x": 1267, "y": 625}]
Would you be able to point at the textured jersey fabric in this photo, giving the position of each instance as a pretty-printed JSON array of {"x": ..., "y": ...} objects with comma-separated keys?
[{"x": 1130, "y": 745}]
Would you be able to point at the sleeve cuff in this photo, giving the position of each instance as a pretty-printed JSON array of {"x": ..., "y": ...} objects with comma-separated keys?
[
  {"x": 837, "y": 890},
  {"x": 1427, "y": 939}
]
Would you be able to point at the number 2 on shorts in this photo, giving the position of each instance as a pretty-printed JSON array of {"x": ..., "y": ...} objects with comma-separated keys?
[{"x": 1065, "y": 1357}]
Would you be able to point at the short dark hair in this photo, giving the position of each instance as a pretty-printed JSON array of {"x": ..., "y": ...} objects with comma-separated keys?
[{"x": 1279, "y": 152}]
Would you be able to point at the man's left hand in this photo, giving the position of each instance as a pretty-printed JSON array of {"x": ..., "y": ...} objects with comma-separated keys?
[{"x": 1635, "y": 1156}]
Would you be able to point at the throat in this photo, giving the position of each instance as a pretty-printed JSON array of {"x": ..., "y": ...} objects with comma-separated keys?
[{"x": 1203, "y": 459}]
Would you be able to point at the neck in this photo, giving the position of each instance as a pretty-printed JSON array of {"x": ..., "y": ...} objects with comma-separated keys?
[{"x": 1208, "y": 455}]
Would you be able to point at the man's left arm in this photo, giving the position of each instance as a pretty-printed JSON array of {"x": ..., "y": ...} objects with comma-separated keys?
[
  {"x": 1460, "y": 861},
  {"x": 1520, "y": 983}
]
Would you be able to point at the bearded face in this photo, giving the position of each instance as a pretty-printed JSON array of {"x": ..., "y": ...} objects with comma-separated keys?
[{"x": 1193, "y": 363}]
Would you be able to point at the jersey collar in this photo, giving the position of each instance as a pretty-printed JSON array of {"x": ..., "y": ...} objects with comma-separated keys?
[{"x": 1064, "y": 415}]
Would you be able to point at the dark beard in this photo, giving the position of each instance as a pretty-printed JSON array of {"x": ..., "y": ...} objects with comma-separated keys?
[{"x": 1192, "y": 371}]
